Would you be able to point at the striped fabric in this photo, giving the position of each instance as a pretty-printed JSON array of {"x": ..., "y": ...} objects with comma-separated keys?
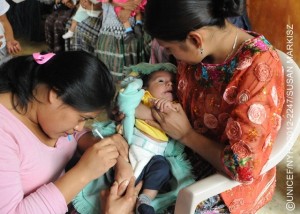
[
  {"x": 55, "y": 28},
  {"x": 115, "y": 54},
  {"x": 85, "y": 36},
  {"x": 111, "y": 48}
]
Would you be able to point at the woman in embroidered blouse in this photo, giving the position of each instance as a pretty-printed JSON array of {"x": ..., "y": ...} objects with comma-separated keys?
[{"x": 230, "y": 85}]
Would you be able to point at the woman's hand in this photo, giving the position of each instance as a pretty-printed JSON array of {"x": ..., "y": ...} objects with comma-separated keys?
[
  {"x": 116, "y": 115},
  {"x": 116, "y": 200},
  {"x": 98, "y": 159},
  {"x": 95, "y": 161},
  {"x": 174, "y": 123},
  {"x": 88, "y": 140}
]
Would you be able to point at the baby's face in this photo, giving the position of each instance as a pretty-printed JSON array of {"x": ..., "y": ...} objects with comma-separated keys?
[{"x": 160, "y": 85}]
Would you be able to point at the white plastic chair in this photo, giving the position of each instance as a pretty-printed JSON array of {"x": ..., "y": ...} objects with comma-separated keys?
[{"x": 189, "y": 197}]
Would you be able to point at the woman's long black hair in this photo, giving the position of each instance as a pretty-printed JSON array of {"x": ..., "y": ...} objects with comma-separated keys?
[
  {"x": 79, "y": 78},
  {"x": 172, "y": 20}
]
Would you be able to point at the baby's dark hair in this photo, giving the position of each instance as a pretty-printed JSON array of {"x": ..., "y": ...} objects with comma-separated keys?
[
  {"x": 80, "y": 79},
  {"x": 172, "y": 20}
]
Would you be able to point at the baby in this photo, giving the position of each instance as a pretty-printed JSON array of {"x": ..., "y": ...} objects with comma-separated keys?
[
  {"x": 154, "y": 158},
  {"x": 153, "y": 88}
]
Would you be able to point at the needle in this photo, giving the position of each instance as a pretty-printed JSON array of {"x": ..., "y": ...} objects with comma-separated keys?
[{"x": 98, "y": 133}]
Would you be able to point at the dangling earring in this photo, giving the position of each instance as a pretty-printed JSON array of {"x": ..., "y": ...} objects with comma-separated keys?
[{"x": 201, "y": 51}]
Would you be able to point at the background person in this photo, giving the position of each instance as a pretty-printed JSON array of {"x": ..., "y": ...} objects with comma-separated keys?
[{"x": 8, "y": 44}]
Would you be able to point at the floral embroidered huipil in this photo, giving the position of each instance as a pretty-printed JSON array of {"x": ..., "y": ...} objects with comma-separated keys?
[{"x": 239, "y": 104}]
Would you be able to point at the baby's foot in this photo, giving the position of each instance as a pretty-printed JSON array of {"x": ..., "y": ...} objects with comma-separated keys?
[
  {"x": 68, "y": 35},
  {"x": 143, "y": 205},
  {"x": 145, "y": 209}
]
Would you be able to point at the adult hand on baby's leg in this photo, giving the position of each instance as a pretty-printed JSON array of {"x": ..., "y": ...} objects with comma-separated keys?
[{"x": 119, "y": 199}]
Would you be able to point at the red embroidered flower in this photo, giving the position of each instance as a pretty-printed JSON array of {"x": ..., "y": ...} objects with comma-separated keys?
[
  {"x": 244, "y": 63},
  {"x": 274, "y": 95},
  {"x": 243, "y": 96},
  {"x": 257, "y": 113},
  {"x": 210, "y": 121},
  {"x": 230, "y": 94},
  {"x": 245, "y": 173},
  {"x": 263, "y": 72},
  {"x": 223, "y": 118},
  {"x": 233, "y": 130},
  {"x": 241, "y": 149},
  {"x": 199, "y": 128}
]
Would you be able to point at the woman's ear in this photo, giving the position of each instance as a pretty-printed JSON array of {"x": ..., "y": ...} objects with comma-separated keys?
[
  {"x": 195, "y": 38},
  {"x": 52, "y": 96}
]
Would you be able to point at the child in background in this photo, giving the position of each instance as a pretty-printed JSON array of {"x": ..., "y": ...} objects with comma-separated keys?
[
  {"x": 137, "y": 13},
  {"x": 86, "y": 8},
  {"x": 126, "y": 9},
  {"x": 8, "y": 44}
]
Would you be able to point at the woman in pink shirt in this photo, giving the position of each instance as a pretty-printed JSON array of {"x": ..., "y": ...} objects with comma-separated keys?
[{"x": 45, "y": 101}]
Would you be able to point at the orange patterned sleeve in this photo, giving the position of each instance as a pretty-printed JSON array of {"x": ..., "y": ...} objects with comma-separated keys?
[{"x": 258, "y": 91}]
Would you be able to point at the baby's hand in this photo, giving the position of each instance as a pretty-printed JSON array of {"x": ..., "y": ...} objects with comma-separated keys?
[{"x": 163, "y": 105}]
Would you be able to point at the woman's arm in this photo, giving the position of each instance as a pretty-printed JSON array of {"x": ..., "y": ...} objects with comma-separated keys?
[{"x": 177, "y": 126}]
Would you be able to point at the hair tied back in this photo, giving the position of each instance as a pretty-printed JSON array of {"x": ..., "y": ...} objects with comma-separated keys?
[
  {"x": 227, "y": 8},
  {"x": 42, "y": 58}
]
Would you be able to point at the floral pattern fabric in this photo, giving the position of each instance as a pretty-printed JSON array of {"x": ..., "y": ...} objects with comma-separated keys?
[{"x": 239, "y": 104}]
